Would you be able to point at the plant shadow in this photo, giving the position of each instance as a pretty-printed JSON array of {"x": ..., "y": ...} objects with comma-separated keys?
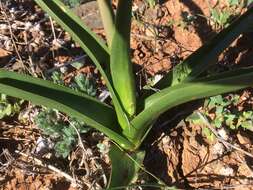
[
  {"x": 197, "y": 173},
  {"x": 201, "y": 25}
]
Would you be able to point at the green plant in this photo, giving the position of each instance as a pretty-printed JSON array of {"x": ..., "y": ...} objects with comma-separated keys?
[
  {"x": 72, "y": 3},
  {"x": 223, "y": 111},
  {"x": 64, "y": 133},
  {"x": 85, "y": 85},
  {"x": 130, "y": 118},
  {"x": 151, "y": 3},
  {"x": 82, "y": 83},
  {"x": 233, "y": 2},
  {"x": 56, "y": 77},
  {"x": 221, "y": 18},
  {"x": 241, "y": 3},
  {"x": 9, "y": 106}
]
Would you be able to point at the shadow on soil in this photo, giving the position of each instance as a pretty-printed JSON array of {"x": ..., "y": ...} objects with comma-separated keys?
[{"x": 201, "y": 25}]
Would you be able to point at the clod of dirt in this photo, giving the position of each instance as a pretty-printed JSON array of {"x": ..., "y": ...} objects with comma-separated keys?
[
  {"x": 89, "y": 13},
  {"x": 4, "y": 56},
  {"x": 210, "y": 164}
]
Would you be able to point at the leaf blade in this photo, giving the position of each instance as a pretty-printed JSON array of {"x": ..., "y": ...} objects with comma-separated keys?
[
  {"x": 205, "y": 56},
  {"x": 120, "y": 63},
  {"x": 83, "y": 107},
  {"x": 88, "y": 41},
  {"x": 185, "y": 92},
  {"x": 107, "y": 15},
  {"x": 124, "y": 168}
]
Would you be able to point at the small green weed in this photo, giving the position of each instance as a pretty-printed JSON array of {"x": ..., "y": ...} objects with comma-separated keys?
[
  {"x": 81, "y": 83},
  {"x": 223, "y": 111},
  {"x": 221, "y": 18},
  {"x": 72, "y": 3},
  {"x": 241, "y": 3},
  {"x": 9, "y": 106},
  {"x": 84, "y": 84},
  {"x": 151, "y": 3},
  {"x": 57, "y": 78},
  {"x": 63, "y": 133},
  {"x": 233, "y": 2}
]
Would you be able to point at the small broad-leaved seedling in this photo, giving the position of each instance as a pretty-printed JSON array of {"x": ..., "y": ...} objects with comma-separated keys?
[
  {"x": 221, "y": 18},
  {"x": 151, "y": 3},
  {"x": 129, "y": 117},
  {"x": 234, "y": 2},
  {"x": 239, "y": 3},
  {"x": 82, "y": 83},
  {"x": 72, "y": 3},
  {"x": 223, "y": 112},
  {"x": 63, "y": 133},
  {"x": 9, "y": 106}
]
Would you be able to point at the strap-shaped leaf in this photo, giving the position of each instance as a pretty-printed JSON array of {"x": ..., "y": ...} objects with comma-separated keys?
[
  {"x": 120, "y": 64},
  {"x": 83, "y": 107},
  {"x": 124, "y": 167},
  {"x": 89, "y": 42},
  {"x": 107, "y": 15},
  {"x": 207, "y": 55},
  {"x": 172, "y": 96}
]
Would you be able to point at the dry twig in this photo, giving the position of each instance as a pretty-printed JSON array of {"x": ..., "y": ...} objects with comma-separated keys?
[
  {"x": 12, "y": 35},
  {"x": 52, "y": 168},
  {"x": 81, "y": 145},
  {"x": 219, "y": 138}
]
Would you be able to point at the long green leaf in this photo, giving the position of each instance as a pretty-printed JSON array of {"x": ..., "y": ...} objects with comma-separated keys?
[
  {"x": 124, "y": 167},
  {"x": 120, "y": 64},
  {"x": 185, "y": 92},
  {"x": 207, "y": 55},
  {"x": 107, "y": 15},
  {"x": 83, "y": 107},
  {"x": 89, "y": 42}
]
